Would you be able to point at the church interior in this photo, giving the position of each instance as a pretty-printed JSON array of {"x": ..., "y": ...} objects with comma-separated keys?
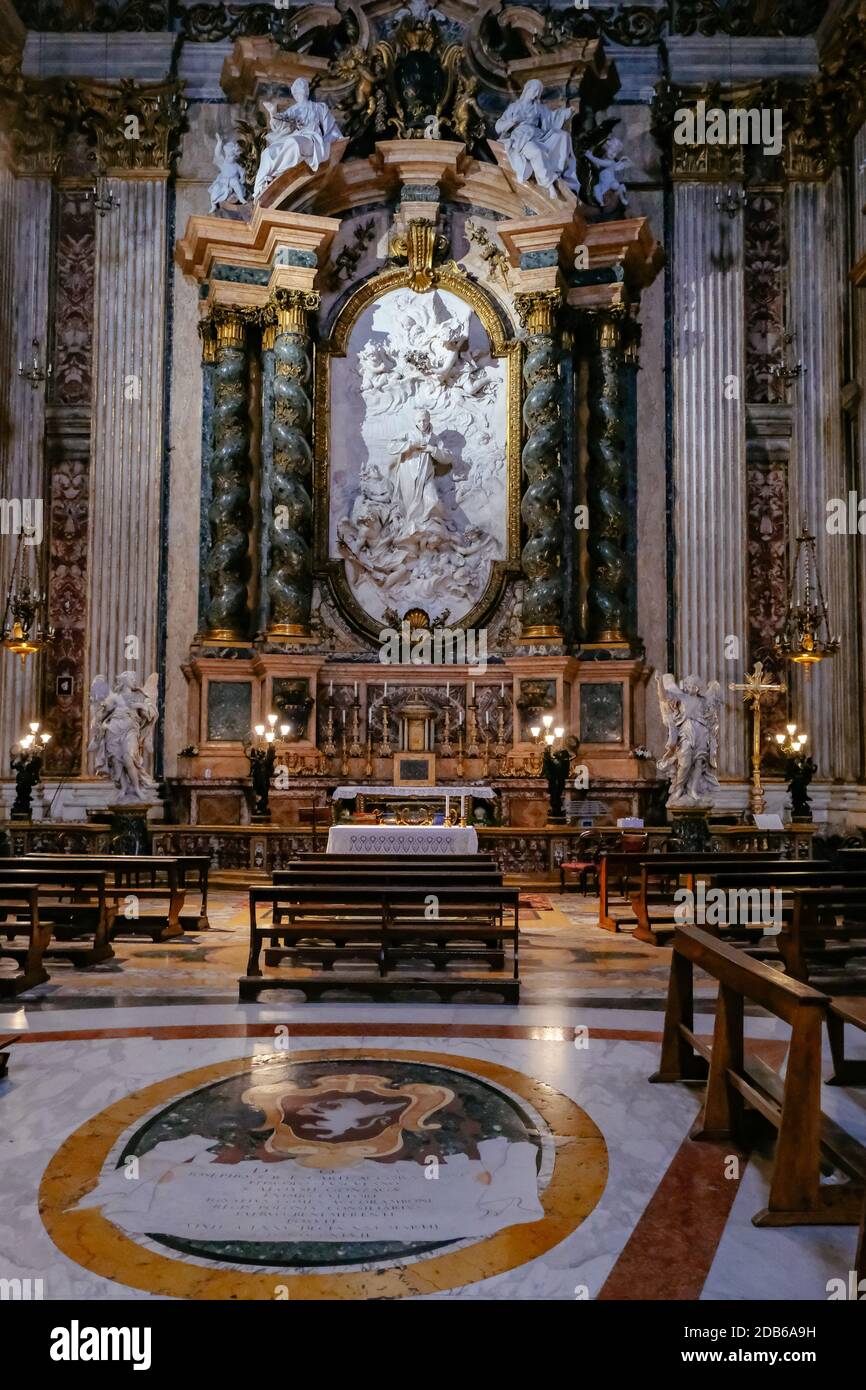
[{"x": 433, "y": 471}]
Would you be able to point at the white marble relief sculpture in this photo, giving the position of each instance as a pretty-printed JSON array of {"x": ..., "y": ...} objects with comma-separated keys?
[
  {"x": 122, "y": 720},
  {"x": 691, "y": 714},
  {"x": 611, "y": 165},
  {"x": 419, "y": 514},
  {"x": 537, "y": 140},
  {"x": 229, "y": 182},
  {"x": 302, "y": 134}
]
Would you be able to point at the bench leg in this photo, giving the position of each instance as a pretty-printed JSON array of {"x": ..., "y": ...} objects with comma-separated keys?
[
  {"x": 722, "y": 1116},
  {"x": 845, "y": 1072},
  {"x": 679, "y": 1061},
  {"x": 795, "y": 1183}
]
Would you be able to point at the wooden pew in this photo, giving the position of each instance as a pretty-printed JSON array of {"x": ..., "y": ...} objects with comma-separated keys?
[
  {"x": 846, "y": 1009},
  {"x": 735, "y": 1082},
  {"x": 124, "y": 873},
  {"x": 615, "y": 866},
  {"x": 15, "y": 898},
  {"x": 73, "y": 901},
  {"x": 5, "y": 1039},
  {"x": 375, "y": 921},
  {"x": 655, "y": 891}
]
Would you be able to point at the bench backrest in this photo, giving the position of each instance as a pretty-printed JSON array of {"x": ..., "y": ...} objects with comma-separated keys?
[{"x": 780, "y": 994}]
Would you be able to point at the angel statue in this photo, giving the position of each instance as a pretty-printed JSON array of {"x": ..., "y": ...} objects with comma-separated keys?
[
  {"x": 610, "y": 164},
  {"x": 302, "y": 134},
  {"x": 121, "y": 732},
  {"x": 230, "y": 179},
  {"x": 691, "y": 713},
  {"x": 537, "y": 140}
]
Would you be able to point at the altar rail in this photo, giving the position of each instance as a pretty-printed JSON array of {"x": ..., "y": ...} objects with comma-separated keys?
[{"x": 515, "y": 851}]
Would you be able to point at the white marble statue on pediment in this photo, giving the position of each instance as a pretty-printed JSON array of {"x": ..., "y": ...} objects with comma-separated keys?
[
  {"x": 418, "y": 515},
  {"x": 230, "y": 181},
  {"x": 302, "y": 134},
  {"x": 537, "y": 140}
]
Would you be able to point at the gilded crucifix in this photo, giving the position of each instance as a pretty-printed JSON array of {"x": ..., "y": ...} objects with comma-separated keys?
[{"x": 754, "y": 691}]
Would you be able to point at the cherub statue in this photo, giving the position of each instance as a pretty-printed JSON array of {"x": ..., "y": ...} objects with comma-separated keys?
[
  {"x": 691, "y": 714},
  {"x": 122, "y": 720},
  {"x": 230, "y": 179},
  {"x": 611, "y": 165},
  {"x": 537, "y": 140},
  {"x": 466, "y": 118}
]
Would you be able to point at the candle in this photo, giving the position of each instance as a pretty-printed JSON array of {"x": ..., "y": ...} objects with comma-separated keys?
[
  {"x": 344, "y": 718},
  {"x": 370, "y": 716},
  {"x": 386, "y": 690},
  {"x": 487, "y": 716},
  {"x": 502, "y": 690},
  {"x": 447, "y": 690},
  {"x": 331, "y": 690},
  {"x": 356, "y": 690},
  {"x": 472, "y": 689},
  {"x": 447, "y": 805}
]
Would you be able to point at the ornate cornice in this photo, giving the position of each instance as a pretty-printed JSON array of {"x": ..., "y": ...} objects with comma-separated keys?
[{"x": 128, "y": 128}]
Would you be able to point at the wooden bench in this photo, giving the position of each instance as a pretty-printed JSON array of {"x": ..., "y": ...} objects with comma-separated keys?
[
  {"x": 616, "y": 867},
  {"x": 6, "y": 1039},
  {"x": 735, "y": 1082},
  {"x": 15, "y": 898},
  {"x": 73, "y": 901},
  {"x": 653, "y": 906},
  {"x": 377, "y": 921},
  {"x": 846, "y": 1009},
  {"x": 124, "y": 873}
]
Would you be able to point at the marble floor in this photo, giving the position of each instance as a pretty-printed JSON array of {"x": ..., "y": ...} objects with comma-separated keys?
[{"x": 150, "y": 1122}]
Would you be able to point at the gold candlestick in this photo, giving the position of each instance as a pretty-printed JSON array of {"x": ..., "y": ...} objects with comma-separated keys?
[
  {"x": 344, "y": 765},
  {"x": 472, "y": 749},
  {"x": 355, "y": 749},
  {"x": 368, "y": 766},
  {"x": 330, "y": 748},
  {"x": 460, "y": 756},
  {"x": 485, "y": 766},
  {"x": 385, "y": 749}
]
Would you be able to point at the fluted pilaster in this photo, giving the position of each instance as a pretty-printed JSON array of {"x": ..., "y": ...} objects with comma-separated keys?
[
  {"x": 128, "y": 404},
  {"x": 607, "y": 443},
  {"x": 228, "y": 562},
  {"x": 709, "y": 450},
  {"x": 826, "y": 703},
  {"x": 290, "y": 571},
  {"x": 25, "y": 223},
  {"x": 541, "y": 507}
]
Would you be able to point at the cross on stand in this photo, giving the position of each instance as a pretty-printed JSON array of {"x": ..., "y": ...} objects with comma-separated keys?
[{"x": 754, "y": 691}]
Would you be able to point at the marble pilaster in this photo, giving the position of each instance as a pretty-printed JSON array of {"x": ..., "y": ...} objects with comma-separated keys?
[
  {"x": 709, "y": 450},
  {"x": 542, "y": 469},
  {"x": 825, "y": 704},
  {"x": 128, "y": 405},
  {"x": 25, "y": 231}
]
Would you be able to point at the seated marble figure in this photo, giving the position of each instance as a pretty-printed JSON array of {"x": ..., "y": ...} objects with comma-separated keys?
[{"x": 302, "y": 134}]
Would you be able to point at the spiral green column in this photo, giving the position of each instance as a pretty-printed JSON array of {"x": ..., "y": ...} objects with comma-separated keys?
[
  {"x": 608, "y": 606},
  {"x": 290, "y": 569},
  {"x": 541, "y": 507},
  {"x": 227, "y": 566}
]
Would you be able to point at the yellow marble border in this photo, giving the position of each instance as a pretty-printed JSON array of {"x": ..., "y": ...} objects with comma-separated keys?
[{"x": 576, "y": 1185}]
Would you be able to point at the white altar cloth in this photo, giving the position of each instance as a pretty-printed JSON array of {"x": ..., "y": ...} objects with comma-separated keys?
[
  {"x": 402, "y": 839},
  {"x": 467, "y": 789}
]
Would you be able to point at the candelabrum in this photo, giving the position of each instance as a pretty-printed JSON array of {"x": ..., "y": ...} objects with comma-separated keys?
[
  {"x": 26, "y": 763},
  {"x": 355, "y": 749},
  {"x": 385, "y": 749},
  {"x": 261, "y": 753},
  {"x": 460, "y": 756},
  {"x": 368, "y": 765},
  {"x": 329, "y": 748},
  {"x": 472, "y": 748},
  {"x": 485, "y": 766},
  {"x": 446, "y": 747},
  {"x": 344, "y": 763},
  {"x": 34, "y": 373}
]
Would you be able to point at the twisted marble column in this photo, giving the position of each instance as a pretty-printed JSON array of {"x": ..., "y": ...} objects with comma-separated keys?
[
  {"x": 228, "y": 564},
  {"x": 290, "y": 571},
  {"x": 607, "y": 487},
  {"x": 542, "y": 498}
]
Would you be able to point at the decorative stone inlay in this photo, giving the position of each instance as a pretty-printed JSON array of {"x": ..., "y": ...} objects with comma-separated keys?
[
  {"x": 240, "y": 274},
  {"x": 292, "y": 255}
]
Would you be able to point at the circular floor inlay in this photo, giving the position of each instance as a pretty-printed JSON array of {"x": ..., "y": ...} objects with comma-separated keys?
[{"x": 321, "y": 1174}]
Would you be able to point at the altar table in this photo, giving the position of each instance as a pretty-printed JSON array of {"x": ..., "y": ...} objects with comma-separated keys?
[{"x": 402, "y": 839}]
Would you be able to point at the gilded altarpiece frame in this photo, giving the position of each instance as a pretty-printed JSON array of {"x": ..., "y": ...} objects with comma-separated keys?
[{"x": 502, "y": 346}]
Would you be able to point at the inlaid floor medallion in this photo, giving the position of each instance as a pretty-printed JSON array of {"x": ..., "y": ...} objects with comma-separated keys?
[{"x": 320, "y": 1174}]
